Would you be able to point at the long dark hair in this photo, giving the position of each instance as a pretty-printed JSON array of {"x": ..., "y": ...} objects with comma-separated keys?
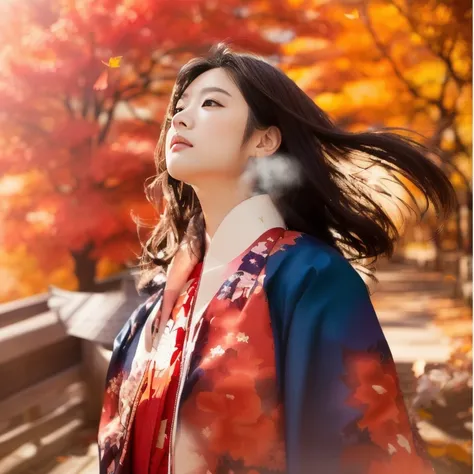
[{"x": 329, "y": 203}]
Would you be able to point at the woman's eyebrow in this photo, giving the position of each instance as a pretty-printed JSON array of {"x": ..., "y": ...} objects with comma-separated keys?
[{"x": 209, "y": 89}]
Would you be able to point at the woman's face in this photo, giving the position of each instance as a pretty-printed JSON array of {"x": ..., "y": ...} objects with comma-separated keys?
[{"x": 211, "y": 116}]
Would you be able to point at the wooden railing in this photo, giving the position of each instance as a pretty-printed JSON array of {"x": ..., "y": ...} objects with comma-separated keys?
[{"x": 44, "y": 383}]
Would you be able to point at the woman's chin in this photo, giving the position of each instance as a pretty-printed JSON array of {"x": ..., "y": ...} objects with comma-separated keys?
[{"x": 180, "y": 171}]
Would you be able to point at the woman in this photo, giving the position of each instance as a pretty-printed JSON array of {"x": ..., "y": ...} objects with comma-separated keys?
[{"x": 258, "y": 350}]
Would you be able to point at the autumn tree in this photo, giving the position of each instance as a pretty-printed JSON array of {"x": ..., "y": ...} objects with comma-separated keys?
[
  {"x": 396, "y": 63},
  {"x": 79, "y": 157}
]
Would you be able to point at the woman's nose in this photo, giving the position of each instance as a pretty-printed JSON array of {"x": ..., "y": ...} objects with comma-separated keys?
[{"x": 181, "y": 120}]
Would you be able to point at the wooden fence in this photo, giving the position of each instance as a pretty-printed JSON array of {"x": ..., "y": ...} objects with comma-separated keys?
[{"x": 45, "y": 383}]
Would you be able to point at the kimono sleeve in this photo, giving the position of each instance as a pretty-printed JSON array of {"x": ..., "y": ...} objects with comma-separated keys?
[{"x": 344, "y": 411}]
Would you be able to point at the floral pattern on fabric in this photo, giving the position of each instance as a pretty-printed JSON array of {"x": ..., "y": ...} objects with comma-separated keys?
[
  {"x": 289, "y": 374},
  {"x": 229, "y": 403},
  {"x": 124, "y": 377},
  {"x": 154, "y": 414},
  {"x": 390, "y": 438}
]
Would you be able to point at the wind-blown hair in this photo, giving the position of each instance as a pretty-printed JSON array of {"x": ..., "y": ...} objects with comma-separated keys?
[{"x": 329, "y": 202}]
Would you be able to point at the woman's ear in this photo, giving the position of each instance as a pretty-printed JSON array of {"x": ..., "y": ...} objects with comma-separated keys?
[{"x": 269, "y": 142}]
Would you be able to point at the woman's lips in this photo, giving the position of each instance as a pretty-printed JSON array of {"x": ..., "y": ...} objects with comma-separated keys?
[{"x": 180, "y": 146}]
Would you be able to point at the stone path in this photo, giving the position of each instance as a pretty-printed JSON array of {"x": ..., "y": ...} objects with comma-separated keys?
[
  {"x": 406, "y": 300},
  {"x": 419, "y": 316}
]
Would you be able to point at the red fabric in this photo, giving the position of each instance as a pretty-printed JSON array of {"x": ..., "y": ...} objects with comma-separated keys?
[{"x": 150, "y": 453}]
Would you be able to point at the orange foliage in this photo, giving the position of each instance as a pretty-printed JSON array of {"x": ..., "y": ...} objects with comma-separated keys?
[
  {"x": 82, "y": 155},
  {"x": 388, "y": 65},
  {"x": 79, "y": 156}
]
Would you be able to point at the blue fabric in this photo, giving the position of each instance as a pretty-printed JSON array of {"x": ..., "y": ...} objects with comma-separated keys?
[
  {"x": 325, "y": 327},
  {"x": 343, "y": 409}
]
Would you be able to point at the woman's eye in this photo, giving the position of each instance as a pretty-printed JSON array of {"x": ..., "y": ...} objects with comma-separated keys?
[{"x": 207, "y": 101}]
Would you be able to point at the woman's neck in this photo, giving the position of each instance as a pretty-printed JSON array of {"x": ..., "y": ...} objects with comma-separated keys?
[{"x": 217, "y": 199}]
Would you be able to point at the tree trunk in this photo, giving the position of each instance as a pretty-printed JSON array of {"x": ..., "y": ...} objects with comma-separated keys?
[{"x": 85, "y": 268}]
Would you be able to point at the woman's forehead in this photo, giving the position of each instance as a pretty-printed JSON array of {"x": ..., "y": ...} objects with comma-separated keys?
[{"x": 214, "y": 80}]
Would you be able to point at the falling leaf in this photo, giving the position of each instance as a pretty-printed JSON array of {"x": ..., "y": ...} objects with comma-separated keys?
[
  {"x": 113, "y": 62},
  {"x": 102, "y": 82}
]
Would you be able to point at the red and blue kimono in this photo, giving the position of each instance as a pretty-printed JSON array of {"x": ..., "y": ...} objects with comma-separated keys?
[{"x": 265, "y": 358}]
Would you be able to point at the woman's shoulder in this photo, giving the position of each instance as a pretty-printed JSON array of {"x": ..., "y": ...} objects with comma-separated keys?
[
  {"x": 302, "y": 264},
  {"x": 305, "y": 272},
  {"x": 298, "y": 253}
]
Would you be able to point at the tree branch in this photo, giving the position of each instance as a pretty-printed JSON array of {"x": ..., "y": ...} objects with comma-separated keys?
[
  {"x": 386, "y": 54},
  {"x": 106, "y": 128},
  {"x": 430, "y": 45}
]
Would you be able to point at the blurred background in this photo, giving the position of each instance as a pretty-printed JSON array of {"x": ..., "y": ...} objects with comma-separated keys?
[{"x": 83, "y": 90}]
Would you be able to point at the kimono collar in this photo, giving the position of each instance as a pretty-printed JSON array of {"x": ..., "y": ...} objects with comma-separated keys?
[{"x": 242, "y": 226}]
